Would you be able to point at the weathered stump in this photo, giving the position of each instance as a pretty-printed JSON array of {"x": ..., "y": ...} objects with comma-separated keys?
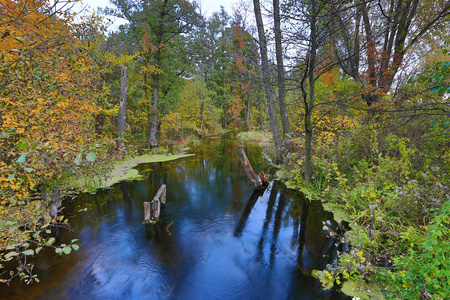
[
  {"x": 147, "y": 212},
  {"x": 156, "y": 209},
  {"x": 248, "y": 168},
  {"x": 55, "y": 202}
]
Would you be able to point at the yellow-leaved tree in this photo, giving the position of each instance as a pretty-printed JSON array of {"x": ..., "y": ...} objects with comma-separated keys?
[{"x": 47, "y": 110}]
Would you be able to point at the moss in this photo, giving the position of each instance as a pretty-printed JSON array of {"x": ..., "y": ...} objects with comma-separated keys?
[
  {"x": 121, "y": 170},
  {"x": 362, "y": 290},
  {"x": 338, "y": 212}
]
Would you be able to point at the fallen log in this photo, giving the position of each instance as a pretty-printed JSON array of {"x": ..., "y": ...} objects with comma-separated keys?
[
  {"x": 263, "y": 178},
  {"x": 248, "y": 168}
]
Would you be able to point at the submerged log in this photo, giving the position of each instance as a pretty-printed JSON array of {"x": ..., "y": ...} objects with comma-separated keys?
[
  {"x": 248, "y": 168},
  {"x": 147, "y": 213}
]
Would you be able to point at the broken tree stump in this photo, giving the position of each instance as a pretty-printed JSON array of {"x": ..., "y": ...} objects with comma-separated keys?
[
  {"x": 248, "y": 168},
  {"x": 55, "y": 202},
  {"x": 147, "y": 212}
]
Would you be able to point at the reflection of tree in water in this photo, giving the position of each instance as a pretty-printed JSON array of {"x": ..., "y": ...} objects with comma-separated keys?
[{"x": 315, "y": 250}]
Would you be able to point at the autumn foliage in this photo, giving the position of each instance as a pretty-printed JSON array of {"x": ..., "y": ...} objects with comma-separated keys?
[{"x": 47, "y": 109}]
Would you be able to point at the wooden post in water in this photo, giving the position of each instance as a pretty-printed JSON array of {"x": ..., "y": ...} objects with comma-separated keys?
[
  {"x": 156, "y": 209},
  {"x": 147, "y": 213},
  {"x": 158, "y": 201},
  {"x": 248, "y": 168},
  {"x": 161, "y": 195}
]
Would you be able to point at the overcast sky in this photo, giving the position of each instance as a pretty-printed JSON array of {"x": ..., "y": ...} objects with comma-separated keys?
[{"x": 208, "y": 7}]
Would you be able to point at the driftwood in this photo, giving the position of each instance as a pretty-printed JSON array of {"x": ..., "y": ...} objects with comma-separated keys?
[{"x": 249, "y": 170}]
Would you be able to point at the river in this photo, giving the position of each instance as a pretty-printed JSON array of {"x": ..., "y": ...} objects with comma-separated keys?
[{"x": 217, "y": 238}]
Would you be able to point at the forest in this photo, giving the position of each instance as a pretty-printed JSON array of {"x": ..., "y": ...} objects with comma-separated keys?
[{"x": 353, "y": 94}]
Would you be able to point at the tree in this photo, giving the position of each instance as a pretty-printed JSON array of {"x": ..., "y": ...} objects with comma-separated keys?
[
  {"x": 280, "y": 68},
  {"x": 122, "y": 108},
  {"x": 391, "y": 30},
  {"x": 266, "y": 80},
  {"x": 162, "y": 21}
]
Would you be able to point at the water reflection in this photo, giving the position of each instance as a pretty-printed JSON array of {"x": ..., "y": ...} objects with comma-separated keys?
[{"x": 216, "y": 239}]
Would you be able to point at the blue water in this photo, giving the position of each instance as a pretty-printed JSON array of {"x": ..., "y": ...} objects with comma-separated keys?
[{"x": 217, "y": 238}]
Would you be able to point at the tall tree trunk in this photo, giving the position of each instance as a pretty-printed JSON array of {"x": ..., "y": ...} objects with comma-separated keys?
[
  {"x": 266, "y": 79},
  {"x": 146, "y": 100},
  {"x": 153, "y": 134},
  {"x": 122, "y": 108},
  {"x": 309, "y": 100},
  {"x": 280, "y": 67}
]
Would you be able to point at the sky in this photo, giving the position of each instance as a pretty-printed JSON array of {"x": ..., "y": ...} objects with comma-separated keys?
[{"x": 208, "y": 8}]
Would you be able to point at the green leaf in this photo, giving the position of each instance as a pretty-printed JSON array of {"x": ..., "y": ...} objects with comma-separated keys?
[
  {"x": 90, "y": 156},
  {"x": 38, "y": 249},
  {"x": 11, "y": 177},
  {"x": 67, "y": 250},
  {"x": 59, "y": 251},
  {"x": 51, "y": 241},
  {"x": 22, "y": 158},
  {"x": 28, "y": 252},
  {"x": 75, "y": 247},
  {"x": 29, "y": 170},
  {"x": 435, "y": 89},
  {"x": 74, "y": 240},
  {"x": 36, "y": 279},
  {"x": 11, "y": 254},
  {"x": 442, "y": 90},
  {"x": 20, "y": 39}
]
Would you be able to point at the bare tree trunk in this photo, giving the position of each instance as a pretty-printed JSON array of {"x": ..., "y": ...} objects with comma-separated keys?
[
  {"x": 309, "y": 99},
  {"x": 266, "y": 79},
  {"x": 153, "y": 134},
  {"x": 122, "y": 108},
  {"x": 280, "y": 67}
]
